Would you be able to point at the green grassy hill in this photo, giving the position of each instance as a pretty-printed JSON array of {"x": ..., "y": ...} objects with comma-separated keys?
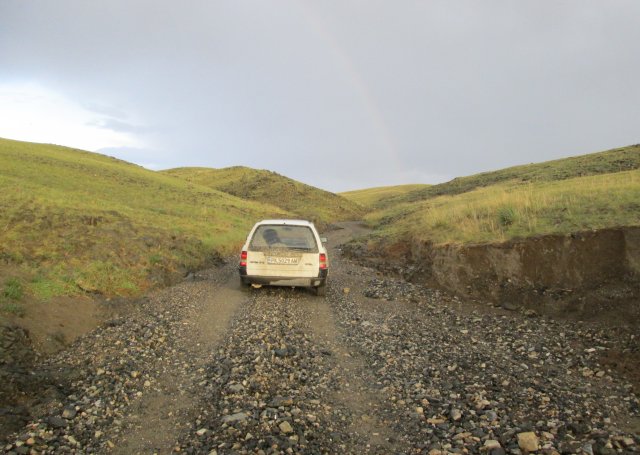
[
  {"x": 376, "y": 197},
  {"x": 319, "y": 206},
  {"x": 611, "y": 161},
  {"x": 586, "y": 192},
  {"x": 74, "y": 221}
]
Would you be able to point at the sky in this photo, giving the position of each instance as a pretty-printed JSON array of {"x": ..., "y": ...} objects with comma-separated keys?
[{"x": 338, "y": 94}]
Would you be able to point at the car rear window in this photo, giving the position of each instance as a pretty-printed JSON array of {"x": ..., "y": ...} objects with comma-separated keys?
[{"x": 268, "y": 236}]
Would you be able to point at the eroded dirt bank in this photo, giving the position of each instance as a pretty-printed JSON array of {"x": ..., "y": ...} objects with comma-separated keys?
[{"x": 592, "y": 275}]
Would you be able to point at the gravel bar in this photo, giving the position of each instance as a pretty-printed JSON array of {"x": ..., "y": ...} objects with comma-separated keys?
[{"x": 378, "y": 366}]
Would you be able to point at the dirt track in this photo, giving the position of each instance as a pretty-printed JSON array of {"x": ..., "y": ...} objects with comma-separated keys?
[{"x": 205, "y": 368}]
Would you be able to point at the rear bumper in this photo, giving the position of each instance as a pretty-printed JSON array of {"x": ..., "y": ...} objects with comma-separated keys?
[{"x": 284, "y": 280}]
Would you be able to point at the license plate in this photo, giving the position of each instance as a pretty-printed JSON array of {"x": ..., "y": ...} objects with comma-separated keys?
[{"x": 281, "y": 260}]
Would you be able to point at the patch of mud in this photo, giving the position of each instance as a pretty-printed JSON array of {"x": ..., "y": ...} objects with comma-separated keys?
[{"x": 54, "y": 324}]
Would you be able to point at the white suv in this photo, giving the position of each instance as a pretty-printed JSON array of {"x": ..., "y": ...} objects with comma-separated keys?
[{"x": 284, "y": 253}]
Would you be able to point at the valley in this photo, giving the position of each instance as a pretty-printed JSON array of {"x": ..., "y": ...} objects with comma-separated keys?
[{"x": 496, "y": 313}]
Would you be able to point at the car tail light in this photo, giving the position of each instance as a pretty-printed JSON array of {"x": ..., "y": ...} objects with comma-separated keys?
[
  {"x": 243, "y": 259},
  {"x": 323, "y": 261}
]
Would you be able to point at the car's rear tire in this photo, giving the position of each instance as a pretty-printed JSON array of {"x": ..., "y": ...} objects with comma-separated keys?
[
  {"x": 321, "y": 290},
  {"x": 244, "y": 284}
]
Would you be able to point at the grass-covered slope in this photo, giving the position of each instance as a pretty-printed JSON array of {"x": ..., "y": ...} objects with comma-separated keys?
[
  {"x": 611, "y": 161},
  {"x": 587, "y": 192},
  {"x": 308, "y": 202},
  {"x": 375, "y": 197},
  {"x": 73, "y": 221}
]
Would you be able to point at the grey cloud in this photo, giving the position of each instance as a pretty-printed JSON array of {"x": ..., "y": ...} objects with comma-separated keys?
[
  {"x": 343, "y": 94},
  {"x": 118, "y": 125},
  {"x": 107, "y": 110}
]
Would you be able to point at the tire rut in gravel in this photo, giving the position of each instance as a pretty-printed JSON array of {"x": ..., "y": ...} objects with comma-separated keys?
[
  {"x": 357, "y": 388},
  {"x": 160, "y": 416},
  {"x": 272, "y": 386},
  {"x": 132, "y": 383}
]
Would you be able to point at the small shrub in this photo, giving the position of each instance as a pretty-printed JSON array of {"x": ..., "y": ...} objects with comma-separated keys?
[
  {"x": 155, "y": 259},
  {"x": 441, "y": 224},
  {"x": 13, "y": 289},
  {"x": 105, "y": 277},
  {"x": 12, "y": 308},
  {"x": 507, "y": 216},
  {"x": 46, "y": 287}
]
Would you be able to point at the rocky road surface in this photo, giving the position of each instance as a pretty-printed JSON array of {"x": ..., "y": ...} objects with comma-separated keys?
[{"x": 377, "y": 366}]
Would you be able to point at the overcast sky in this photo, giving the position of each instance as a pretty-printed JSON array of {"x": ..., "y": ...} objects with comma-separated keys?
[{"x": 338, "y": 94}]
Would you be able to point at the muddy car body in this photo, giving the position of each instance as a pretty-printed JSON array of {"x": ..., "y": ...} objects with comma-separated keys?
[{"x": 284, "y": 253}]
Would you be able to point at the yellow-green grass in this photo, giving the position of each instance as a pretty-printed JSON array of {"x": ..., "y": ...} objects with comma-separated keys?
[
  {"x": 304, "y": 201},
  {"x": 611, "y": 161},
  {"x": 515, "y": 209},
  {"x": 372, "y": 197},
  {"x": 73, "y": 221}
]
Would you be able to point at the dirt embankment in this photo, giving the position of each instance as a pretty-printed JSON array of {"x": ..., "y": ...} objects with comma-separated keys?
[{"x": 587, "y": 275}]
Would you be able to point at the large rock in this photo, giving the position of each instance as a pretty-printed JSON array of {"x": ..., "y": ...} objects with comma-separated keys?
[
  {"x": 69, "y": 412},
  {"x": 57, "y": 422},
  {"x": 528, "y": 441},
  {"x": 285, "y": 427},
  {"x": 237, "y": 417}
]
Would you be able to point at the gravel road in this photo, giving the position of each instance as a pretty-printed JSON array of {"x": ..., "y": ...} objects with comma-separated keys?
[{"x": 377, "y": 366}]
